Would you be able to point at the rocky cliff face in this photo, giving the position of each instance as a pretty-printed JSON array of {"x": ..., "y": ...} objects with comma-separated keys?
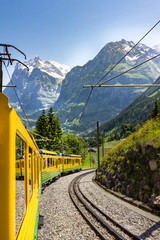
[
  {"x": 37, "y": 88},
  {"x": 104, "y": 103}
]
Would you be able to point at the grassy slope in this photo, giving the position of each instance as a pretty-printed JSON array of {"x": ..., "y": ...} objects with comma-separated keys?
[
  {"x": 107, "y": 146},
  {"x": 130, "y": 160}
]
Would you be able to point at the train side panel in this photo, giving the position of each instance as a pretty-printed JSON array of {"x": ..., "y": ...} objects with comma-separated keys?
[
  {"x": 71, "y": 163},
  {"x": 10, "y": 127},
  {"x": 51, "y": 167}
]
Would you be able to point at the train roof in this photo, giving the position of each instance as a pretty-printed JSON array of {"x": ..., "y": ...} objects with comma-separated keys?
[
  {"x": 72, "y": 155},
  {"x": 43, "y": 151},
  {"x": 75, "y": 155}
]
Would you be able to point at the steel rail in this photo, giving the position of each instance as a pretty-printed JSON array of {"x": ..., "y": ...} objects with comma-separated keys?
[
  {"x": 102, "y": 221},
  {"x": 135, "y": 237},
  {"x": 83, "y": 214}
]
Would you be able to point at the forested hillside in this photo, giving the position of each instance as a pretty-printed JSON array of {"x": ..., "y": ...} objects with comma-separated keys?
[{"x": 137, "y": 112}]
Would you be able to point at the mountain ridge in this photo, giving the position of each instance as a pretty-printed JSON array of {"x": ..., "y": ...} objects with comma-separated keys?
[
  {"x": 109, "y": 102},
  {"x": 50, "y": 83},
  {"x": 37, "y": 88},
  {"x": 138, "y": 111}
]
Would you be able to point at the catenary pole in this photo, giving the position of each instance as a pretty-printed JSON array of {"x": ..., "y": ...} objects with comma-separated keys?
[{"x": 1, "y": 75}]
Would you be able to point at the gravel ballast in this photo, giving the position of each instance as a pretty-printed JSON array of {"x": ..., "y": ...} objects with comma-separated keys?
[{"x": 63, "y": 221}]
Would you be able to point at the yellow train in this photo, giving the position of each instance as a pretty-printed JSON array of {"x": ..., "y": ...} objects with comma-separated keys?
[
  {"x": 21, "y": 178},
  {"x": 51, "y": 165}
]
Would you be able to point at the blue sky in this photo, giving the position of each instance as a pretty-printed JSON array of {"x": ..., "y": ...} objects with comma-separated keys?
[{"x": 74, "y": 31}]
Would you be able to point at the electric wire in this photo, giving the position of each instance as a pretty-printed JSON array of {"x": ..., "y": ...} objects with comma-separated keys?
[
  {"x": 27, "y": 120},
  {"x": 115, "y": 66},
  {"x": 92, "y": 86},
  {"x": 45, "y": 138}
]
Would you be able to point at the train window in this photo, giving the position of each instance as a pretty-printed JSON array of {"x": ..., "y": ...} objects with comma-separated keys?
[
  {"x": 35, "y": 169},
  {"x": 20, "y": 186},
  {"x": 38, "y": 159},
  {"x": 65, "y": 161},
  {"x": 30, "y": 171},
  {"x": 17, "y": 164},
  {"x": 68, "y": 161},
  {"x": 48, "y": 162},
  {"x": 22, "y": 163},
  {"x": 40, "y": 164},
  {"x": 44, "y": 163},
  {"x": 56, "y": 162},
  {"x": 72, "y": 161},
  {"x": 53, "y": 162}
]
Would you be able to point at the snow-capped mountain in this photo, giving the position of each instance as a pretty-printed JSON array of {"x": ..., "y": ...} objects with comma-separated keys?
[
  {"x": 52, "y": 68},
  {"x": 104, "y": 103},
  {"x": 157, "y": 48},
  {"x": 37, "y": 88},
  {"x": 49, "y": 82}
]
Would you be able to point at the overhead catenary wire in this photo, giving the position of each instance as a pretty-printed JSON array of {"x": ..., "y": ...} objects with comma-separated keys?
[
  {"x": 100, "y": 85},
  {"x": 44, "y": 138},
  {"x": 27, "y": 120},
  {"x": 115, "y": 66}
]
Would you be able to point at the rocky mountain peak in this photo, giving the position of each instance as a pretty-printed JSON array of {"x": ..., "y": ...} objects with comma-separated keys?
[
  {"x": 157, "y": 48},
  {"x": 52, "y": 68}
]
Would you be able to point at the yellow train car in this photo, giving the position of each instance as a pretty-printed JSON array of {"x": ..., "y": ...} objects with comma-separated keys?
[
  {"x": 72, "y": 163},
  {"x": 21, "y": 179},
  {"x": 51, "y": 165},
  {"x": 19, "y": 202}
]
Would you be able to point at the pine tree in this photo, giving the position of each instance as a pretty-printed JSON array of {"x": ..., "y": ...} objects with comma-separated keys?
[
  {"x": 49, "y": 127},
  {"x": 54, "y": 131},
  {"x": 42, "y": 129},
  {"x": 155, "y": 109}
]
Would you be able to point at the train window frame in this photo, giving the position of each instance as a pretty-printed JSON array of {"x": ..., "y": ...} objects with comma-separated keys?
[
  {"x": 30, "y": 172},
  {"x": 23, "y": 189},
  {"x": 41, "y": 164},
  {"x": 38, "y": 169},
  {"x": 44, "y": 163},
  {"x": 35, "y": 169}
]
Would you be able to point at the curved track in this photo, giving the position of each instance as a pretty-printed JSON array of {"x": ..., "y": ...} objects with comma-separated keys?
[{"x": 106, "y": 227}]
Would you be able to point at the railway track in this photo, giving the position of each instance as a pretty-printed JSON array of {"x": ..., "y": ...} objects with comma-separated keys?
[{"x": 104, "y": 226}]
